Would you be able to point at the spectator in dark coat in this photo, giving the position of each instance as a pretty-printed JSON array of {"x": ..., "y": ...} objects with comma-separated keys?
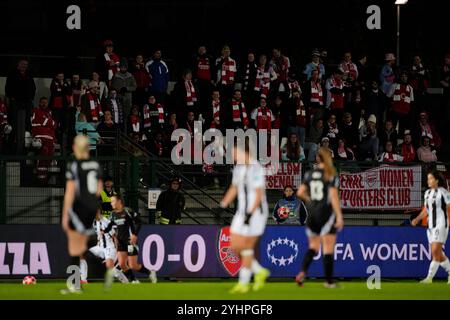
[
  {"x": 20, "y": 89},
  {"x": 349, "y": 131}
]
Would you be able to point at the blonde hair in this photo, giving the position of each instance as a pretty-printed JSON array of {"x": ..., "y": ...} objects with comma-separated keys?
[
  {"x": 325, "y": 158},
  {"x": 81, "y": 146}
]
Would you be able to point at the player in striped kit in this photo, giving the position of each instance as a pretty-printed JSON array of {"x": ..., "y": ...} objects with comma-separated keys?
[
  {"x": 105, "y": 250},
  {"x": 437, "y": 204},
  {"x": 249, "y": 222}
]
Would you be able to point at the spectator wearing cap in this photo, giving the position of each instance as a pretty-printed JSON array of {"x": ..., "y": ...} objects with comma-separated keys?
[
  {"x": 369, "y": 146},
  {"x": 349, "y": 131},
  {"x": 90, "y": 104},
  {"x": 387, "y": 75},
  {"x": 426, "y": 129},
  {"x": 407, "y": 150},
  {"x": 314, "y": 65},
  {"x": 388, "y": 134},
  {"x": 389, "y": 155},
  {"x": 159, "y": 75},
  {"x": 108, "y": 62},
  {"x": 335, "y": 94},
  {"x": 20, "y": 90},
  {"x": 142, "y": 79},
  {"x": 186, "y": 97},
  {"x": 426, "y": 153},
  {"x": 344, "y": 153},
  {"x": 402, "y": 95},
  {"x": 325, "y": 143},
  {"x": 227, "y": 69},
  {"x": 314, "y": 95},
  {"x": 314, "y": 138},
  {"x": 125, "y": 84}
]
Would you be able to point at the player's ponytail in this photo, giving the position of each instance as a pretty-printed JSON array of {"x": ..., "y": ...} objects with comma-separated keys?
[{"x": 325, "y": 158}]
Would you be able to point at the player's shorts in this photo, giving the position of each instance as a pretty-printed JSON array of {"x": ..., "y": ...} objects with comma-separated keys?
[
  {"x": 125, "y": 246},
  {"x": 437, "y": 234},
  {"x": 255, "y": 228},
  {"x": 320, "y": 226},
  {"x": 108, "y": 253},
  {"x": 82, "y": 223}
]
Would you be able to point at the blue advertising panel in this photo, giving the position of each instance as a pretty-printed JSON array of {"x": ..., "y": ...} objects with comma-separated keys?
[
  {"x": 204, "y": 251},
  {"x": 400, "y": 252}
]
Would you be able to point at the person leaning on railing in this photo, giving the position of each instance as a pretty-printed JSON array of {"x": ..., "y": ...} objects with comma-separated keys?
[{"x": 170, "y": 204}]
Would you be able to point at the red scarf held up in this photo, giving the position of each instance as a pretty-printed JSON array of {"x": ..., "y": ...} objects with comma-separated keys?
[
  {"x": 191, "y": 96},
  {"x": 94, "y": 107},
  {"x": 238, "y": 110},
  {"x": 228, "y": 71}
]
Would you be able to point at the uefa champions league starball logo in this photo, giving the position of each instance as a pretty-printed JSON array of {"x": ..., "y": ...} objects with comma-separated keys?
[{"x": 282, "y": 252}]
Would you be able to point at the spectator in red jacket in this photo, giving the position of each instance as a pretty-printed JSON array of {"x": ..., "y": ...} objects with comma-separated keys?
[
  {"x": 43, "y": 130},
  {"x": 142, "y": 79},
  {"x": 407, "y": 150}
]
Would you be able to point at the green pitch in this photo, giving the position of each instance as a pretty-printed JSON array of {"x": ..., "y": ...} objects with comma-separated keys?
[{"x": 353, "y": 290}]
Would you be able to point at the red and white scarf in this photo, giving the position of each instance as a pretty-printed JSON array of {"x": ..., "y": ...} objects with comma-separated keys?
[
  {"x": 264, "y": 119},
  {"x": 191, "y": 96},
  {"x": 238, "y": 110},
  {"x": 337, "y": 99},
  {"x": 216, "y": 113},
  {"x": 147, "y": 114},
  {"x": 95, "y": 107},
  {"x": 228, "y": 71},
  {"x": 262, "y": 82},
  {"x": 300, "y": 113},
  {"x": 112, "y": 70},
  {"x": 316, "y": 93},
  {"x": 135, "y": 123}
]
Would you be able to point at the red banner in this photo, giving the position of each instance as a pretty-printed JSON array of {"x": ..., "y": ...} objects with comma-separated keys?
[{"x": 283, "y": 174}]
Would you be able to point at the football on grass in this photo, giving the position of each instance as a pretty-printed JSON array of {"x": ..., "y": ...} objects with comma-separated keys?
[
  {"x": 283, "y": 213},
  {"x": 29, "y": 280}
]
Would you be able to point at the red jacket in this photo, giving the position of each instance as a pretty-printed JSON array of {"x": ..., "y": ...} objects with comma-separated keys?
[{"x": 42, "y": 123}]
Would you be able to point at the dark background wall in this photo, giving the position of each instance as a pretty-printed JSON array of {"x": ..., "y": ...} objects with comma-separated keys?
[{"x": 38, "y": 27}]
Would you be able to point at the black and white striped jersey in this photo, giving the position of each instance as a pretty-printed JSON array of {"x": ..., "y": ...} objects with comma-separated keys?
[{"x": 436, "y": 201}]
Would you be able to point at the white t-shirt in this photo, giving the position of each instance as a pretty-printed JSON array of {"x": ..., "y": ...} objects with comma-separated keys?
[
  {"x": 247, "y": 179},
  {"x": 106, "y": 240}
]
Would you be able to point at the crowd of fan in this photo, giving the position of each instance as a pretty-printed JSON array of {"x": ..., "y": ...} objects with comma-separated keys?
[{"x": 355, "y": 113}]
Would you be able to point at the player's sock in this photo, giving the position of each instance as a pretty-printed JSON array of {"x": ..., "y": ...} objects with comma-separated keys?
[
  {"x": 144, "y": 270},
  {"x": 83, "y": 269},
  {"x": 434, "y": 266},
  {"x": 446, "y": 265},
  {"x": 328, "y": 261},
  {"x": 245, "y": 275},
  {"x": 256, "y": 267},
  {"x": 130, "y": 275},
  {"x": 309, "y": 256}
]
